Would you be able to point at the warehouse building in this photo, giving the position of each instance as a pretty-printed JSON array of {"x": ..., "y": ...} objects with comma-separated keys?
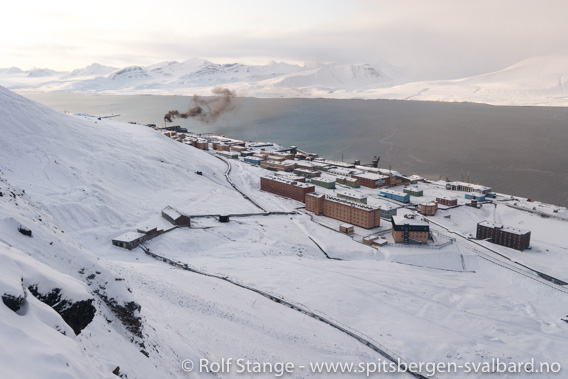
[
  {"x": 323, "y": 182},
  {"x": 448, "y": 200},
  {"x": 352, "y": 196},
  {"x": 429, "y": 208},
  {"x": 351, "y": 182},
  {"x": 413, "y": 191},
  {"x": 410, "y": 229},
  {"x": 362, "y": 215},
  {"x": 372, "y": 180},
  {"x": 228, "y": 154},
  {"x": 475, "y": 196},
  {"x": 498, "y": 234},
  {"x": 175, "y": 217},
  {"x": 306, "y": 173},
  {"x": 388, "y": 210},
  {"x": 291, "y": 189},
  {"x": 467, "y": 187},
  {"x": 129, "y": 240},
  {"x": 253, "y": 160},
  {"x": 395, "y": 195},
  {"x": 278, "y": 166}
]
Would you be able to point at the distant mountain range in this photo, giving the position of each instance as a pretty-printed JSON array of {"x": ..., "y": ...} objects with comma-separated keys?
[{"x": 536, "y": 81}]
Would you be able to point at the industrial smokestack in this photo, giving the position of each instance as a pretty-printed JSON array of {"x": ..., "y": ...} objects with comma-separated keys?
[{"x": 206, "y": 110}]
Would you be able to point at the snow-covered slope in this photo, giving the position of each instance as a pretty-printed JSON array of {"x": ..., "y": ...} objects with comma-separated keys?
[
  {"x": 536, "y": 81},
  {"x": 69, "y": 184}
]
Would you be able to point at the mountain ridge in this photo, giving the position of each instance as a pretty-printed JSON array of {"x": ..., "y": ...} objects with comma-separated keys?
[{"x": 533, "y": 81}]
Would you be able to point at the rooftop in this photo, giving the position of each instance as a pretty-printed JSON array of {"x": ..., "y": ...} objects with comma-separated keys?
[
  {"x": 504, "y": 228},
  {"x": 351, "y": 203},
  {"x": 287, "y": 181},
  {"x": 354, "y": 195},
  {"x": 323, "y": 180},
  {"x": 475, "y": 186},
  {"x": 401, "y": 220},
  {"x": 393, "y": 192},
  {"x": 371, "y": 176},
  {"x": 171, "y": 212},
  {"x": 128, "y": 237}
]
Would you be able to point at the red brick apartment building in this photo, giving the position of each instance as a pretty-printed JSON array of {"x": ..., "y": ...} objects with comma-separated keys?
[
  {"x": 287, "y": 188},
  {"x": 362, "y": 215},
  {"x": 510, "y": 237},
  {"x": 447, "y": 200},
  {"x": 278, "y": 166},
  {"x": 372, "y": 180}
]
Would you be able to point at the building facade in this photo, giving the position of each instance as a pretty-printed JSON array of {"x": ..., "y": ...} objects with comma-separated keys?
[
  {"x": 410, "y": 230},
  {"x": 510, "y": 237},
  {"x": 362, "y": 215},
  {"x": 447, "y": 200},
  {"x": 467, "y": 187},
  {"x": 278, "y": 166},
  {"x": 395, "y": 195},
  {"x": 307, "y": 173},
  {"x": 413, "y": 191},
  {"x": 323, "y": 182},
  {"x": 352, "y": 196},
  {"x": 372, "y": 180},
  {"x": 351, "y": 182},
  {"x": 429, "y": 209},
  {"x": 475, "y": 196},
  {"x": 290, "y": 189}
]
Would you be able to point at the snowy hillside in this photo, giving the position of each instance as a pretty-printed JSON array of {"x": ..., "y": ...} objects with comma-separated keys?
[
  {"x": 265, "y": 287},
  {"x": 536, "y": 81}
]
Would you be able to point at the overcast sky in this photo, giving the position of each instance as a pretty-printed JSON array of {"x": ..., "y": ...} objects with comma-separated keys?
[{"x": 444, "y": 38}]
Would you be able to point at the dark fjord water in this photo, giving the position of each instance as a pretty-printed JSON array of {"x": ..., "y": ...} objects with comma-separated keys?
[{"x": 516, "y": 150}]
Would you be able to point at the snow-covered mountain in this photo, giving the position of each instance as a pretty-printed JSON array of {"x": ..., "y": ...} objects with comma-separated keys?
[{"x": 536, "y": 81}]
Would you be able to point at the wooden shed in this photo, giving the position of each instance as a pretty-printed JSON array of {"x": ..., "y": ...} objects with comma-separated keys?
[{"x": 175, "y": 217}]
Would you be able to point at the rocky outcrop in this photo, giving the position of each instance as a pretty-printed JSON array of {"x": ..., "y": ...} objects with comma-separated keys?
[
  {"x": 77, "y": 314},
  {"x": 13, "y": 302},
  {"x": 128, "y": 313}
]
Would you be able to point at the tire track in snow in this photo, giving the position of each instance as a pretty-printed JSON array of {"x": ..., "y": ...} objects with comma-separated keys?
[{"x": 360, "y": 337}]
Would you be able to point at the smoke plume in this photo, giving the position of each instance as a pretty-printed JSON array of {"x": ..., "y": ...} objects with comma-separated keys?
[{"x": 206, "y": 110}]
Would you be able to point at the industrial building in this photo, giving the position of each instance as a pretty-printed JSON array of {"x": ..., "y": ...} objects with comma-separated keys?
[
  {"x": 372, "y": 180},
  {"x": 362, "y": 215},
  {"x": 388, "y": 210},
  {"x": 202, "y": 144},
  {"x": 228, "y": 154},
  {"x": 413, "y": 191},
  {"x": 352, "y": 196},
  {"x": 475, "y": 196},
  {"x": 498, "y": 234},
  {"x": 347, "y": 228},
  {"x": 448, "y": 200},
  {"x": 323, "y": 182},
  {"x": 253, "y": 160},
  {"x": 395, "y": 195},
  {"x": 410, "y": 229},
  {"x": 467, "y": 187},
  {"x": 306, "y": 173},
  {"x": 220, "y": 146},
  {"x": 351, "y": 182},
  {"x": 129, "y": 240},
  {"x": 429, "y": 208},
  {"x": 175, "y": 217},
  {"x": 291, "y": 189},
  {"x": 278, "y": 166}
]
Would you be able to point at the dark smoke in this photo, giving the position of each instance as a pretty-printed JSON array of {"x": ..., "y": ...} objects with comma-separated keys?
[{"x": 206, "y": 110}]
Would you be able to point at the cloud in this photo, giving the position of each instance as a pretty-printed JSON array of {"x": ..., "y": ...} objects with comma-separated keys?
[{"x": 439, "y": 37}]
